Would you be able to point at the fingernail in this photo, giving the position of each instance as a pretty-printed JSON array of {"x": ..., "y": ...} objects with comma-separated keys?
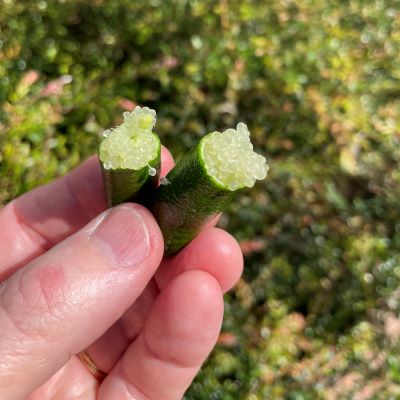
[{"x": 123, "y": 236}]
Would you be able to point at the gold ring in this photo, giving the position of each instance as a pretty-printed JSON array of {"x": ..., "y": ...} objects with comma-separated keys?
[{"x": 91, "y": 366}]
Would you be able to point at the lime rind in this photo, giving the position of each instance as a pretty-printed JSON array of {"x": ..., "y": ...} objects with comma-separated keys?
[{"x": 229, "y": 158}]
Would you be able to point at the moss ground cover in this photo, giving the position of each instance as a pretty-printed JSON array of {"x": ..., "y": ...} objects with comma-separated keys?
[{"x": 317, "y": 82}]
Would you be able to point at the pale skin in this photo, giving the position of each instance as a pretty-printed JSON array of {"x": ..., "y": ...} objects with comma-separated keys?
[{"x": 75, "y": 276}]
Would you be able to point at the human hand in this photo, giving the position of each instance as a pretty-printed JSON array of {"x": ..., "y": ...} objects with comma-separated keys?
[{"x": 77, "y": 278}]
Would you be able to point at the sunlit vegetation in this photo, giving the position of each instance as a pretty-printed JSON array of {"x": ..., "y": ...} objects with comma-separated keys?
[{"x": 318, "y": 84}]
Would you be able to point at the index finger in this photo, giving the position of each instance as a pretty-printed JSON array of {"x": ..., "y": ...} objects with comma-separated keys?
[{"x": 36, "y": 221}]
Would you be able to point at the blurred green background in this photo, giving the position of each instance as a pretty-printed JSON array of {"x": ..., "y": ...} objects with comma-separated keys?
[{"x": 318, "y": 83}]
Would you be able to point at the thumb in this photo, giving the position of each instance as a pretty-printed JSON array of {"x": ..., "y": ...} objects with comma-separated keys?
[{"x": 64, "y": 300}]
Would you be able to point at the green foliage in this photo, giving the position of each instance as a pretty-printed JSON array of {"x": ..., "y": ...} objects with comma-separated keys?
[{"x": 315, "y": 315}]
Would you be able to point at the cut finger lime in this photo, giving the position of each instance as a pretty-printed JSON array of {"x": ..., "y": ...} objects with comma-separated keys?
[
  {"x": 203, "y": 183},
  {"x": 130, "y": 158}
]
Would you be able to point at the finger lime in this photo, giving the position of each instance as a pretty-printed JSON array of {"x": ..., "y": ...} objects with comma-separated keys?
[{"x": 203, "y": 183}]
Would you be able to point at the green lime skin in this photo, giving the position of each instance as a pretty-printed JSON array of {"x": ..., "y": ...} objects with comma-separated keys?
[
  {"x": 186, "y": 200},
  {"x": 128, "y": 185}
]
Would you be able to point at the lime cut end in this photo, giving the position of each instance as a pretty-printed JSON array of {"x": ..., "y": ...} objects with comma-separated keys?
[
  {"x": 230, "y": 159},
  {"x": 132, "y": 145}
]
